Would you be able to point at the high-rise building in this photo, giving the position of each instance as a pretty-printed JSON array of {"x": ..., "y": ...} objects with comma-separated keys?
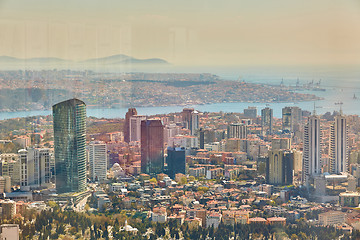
[
  {"x": 35, "y": 169},
  {"x": 291, "y": 116},
  {"x": 135, "y": 127},
  {"x": 237, "y": 130},
  {"x": 152, "y": 146},
  {"x": 280, "y": 166},
  {"x": 131, "y": 112},
  {"x": 250, "y": 112},
  {"x": 10, "y": 166},
  {"x": 339, "y": 153},
  {"x": 267, "y": 119},
  {"x": 70, "y": 145},
  {"x": 97, "y": 160},
  {"x": 312, "y": 149},
  {"x": 175, "y": 161},
  {"x": 190, "y": 117}
]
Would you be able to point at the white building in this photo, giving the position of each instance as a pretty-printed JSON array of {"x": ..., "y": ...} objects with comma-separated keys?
[
  {"x": 339, "y": 145},
  {"x": 170, "y": 131},
  {"x": 98, "y": 160},
  {"x": 10, "y": 166},
  {"x": 312, "y": 149},
  {"x": 159, "y": 215},
  {"x": 135, "y": 127},
  {"x": 213, "y": 219},
  {"x": 35, "y": 169},
  {"x": 184, "y": 141}
]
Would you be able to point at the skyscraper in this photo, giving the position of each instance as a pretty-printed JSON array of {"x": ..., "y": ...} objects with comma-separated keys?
[
  {"x": 267, "y": 120},
  {"x": 339, "y": 145},
  {"x": 152, "y": 146},
  {"x": 312, "y": 149},
  {"x": 175, "y": 161},
  {"x": 69, "y": 145},
  {"x": 135, "y": 127},
  {"x": 190, "y": 117},
  {"x": 131, "y": 112},
  {"x": 97, "y": 160}
]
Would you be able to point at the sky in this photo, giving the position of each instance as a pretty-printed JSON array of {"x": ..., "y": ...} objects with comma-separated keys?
[{"x": 185, "y": 32}]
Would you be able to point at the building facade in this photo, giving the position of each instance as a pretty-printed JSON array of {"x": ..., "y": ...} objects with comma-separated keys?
[
  {"x": 35, "y": 169},
  {"x": 312, "y": 149},
  {"x": 152, "y": 146},
  {"x": 69, "y": 145},
  {"x": 175, "y": 161},
  {"x": 98, "y": 160},
  {"x": 267, "y": 118},
  {"x": 131, "y": 112},
  {"x": 279, "y": 167},
  {"x": 338, "y": 148}
]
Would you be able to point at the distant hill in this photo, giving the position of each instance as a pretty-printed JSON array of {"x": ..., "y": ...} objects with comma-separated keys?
[
  {"x": 124, "y": 59},
  {"x": 7, "y": 62}
]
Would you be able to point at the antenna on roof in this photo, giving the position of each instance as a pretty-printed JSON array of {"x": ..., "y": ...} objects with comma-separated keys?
[
  {"x": 314, "y": 111},
  {"x": 340, "y": 103}
]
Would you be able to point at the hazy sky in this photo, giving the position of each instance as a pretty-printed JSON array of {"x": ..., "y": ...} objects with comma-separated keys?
[{"x": 185, "y": 32}]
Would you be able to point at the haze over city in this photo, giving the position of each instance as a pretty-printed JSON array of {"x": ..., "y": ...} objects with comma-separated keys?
[{"x": 185, "y": 32}]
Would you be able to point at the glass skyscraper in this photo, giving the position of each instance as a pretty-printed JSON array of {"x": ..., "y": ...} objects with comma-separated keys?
[{"x": 69, "y": 143}]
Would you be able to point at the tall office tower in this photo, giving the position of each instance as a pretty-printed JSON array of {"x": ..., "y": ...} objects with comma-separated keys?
[
  {"x": 69, "y": 145},
  {"x": 152, "y": 146},
  {"x": 267, "y": 120},
  {"x": 98, "y": 160},
  {"x": 10, "y": 166},
  {"x": 175, "y": 161},
  {"x": 237, "y": 130},
  {"x": 202, "y": 138},
  {"x": 279, "y": 167},
  {"x": 338, "y": 148},
  {"x": 291, "y": 116},
  {"x": 191, "y": 119},
  {"x": 34, "y": 168},
  {"x": 134, "y": 127},
  {"x": 131, "y": 112},
  {"x": 250, "y": 112},
  {"x": 312, "y": 149}
]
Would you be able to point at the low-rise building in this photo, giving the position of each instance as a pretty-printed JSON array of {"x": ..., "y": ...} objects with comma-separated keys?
[{"x": 331, "y": 218}]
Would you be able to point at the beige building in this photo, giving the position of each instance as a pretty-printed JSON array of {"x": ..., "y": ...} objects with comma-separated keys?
[
  {"x": 331, "y": 218},
  {"x": 9, "y": 232},
  {"x": 11, "y": 167}
]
